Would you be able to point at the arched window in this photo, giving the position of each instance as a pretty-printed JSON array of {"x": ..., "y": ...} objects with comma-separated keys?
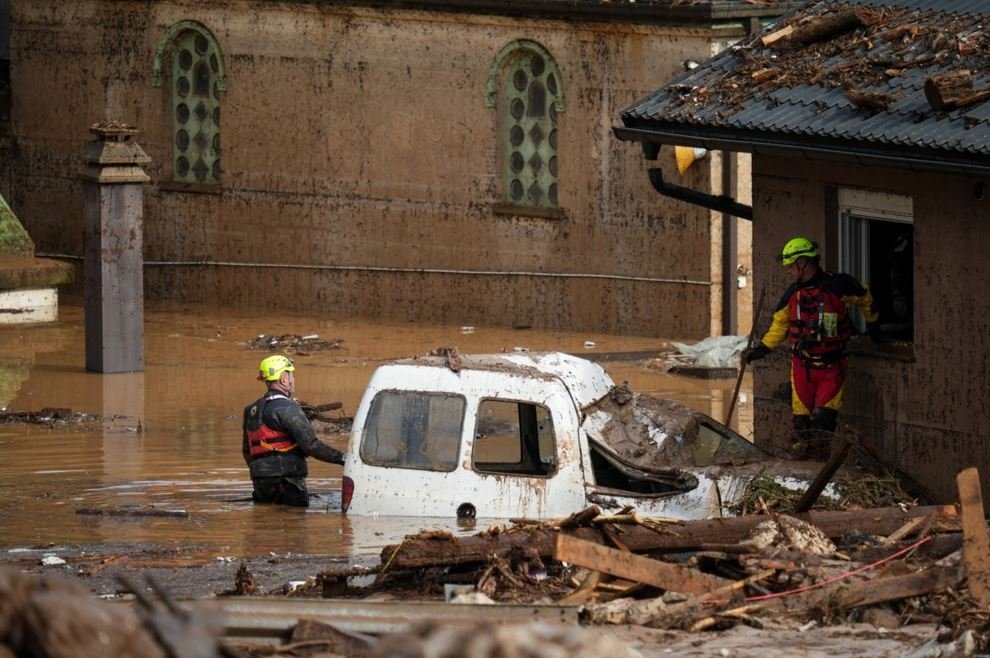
[
  {"x": 197, "y": 79},
  {"x": 525, "y": 87}
]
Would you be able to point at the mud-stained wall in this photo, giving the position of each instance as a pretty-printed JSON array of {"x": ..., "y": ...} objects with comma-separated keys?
[
  {"x": 923, "y": 409},
  {"x": 356, "y": 146}
]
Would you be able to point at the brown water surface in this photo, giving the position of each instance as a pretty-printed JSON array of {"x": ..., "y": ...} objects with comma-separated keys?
[{"x": 170, "y": 436}]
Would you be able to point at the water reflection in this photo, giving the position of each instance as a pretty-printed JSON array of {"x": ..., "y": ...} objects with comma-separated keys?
[{"x": 170, "y": 436}]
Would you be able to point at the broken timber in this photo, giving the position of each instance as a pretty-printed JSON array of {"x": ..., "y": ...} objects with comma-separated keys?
[
  {"x": 671, "y": 577},
  {"x": 953, "y": 90},
  {"x": 416, "y": 552},
  {"x": 837, "y": 458},
  {"x": 822, "y": 28},
  {"x": 976, "y": 552}
]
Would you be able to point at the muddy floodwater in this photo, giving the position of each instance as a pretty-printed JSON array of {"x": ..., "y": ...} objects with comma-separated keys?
[{"x": 169, "y": 438}]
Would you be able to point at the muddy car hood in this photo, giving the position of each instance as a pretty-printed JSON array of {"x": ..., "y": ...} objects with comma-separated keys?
[{"x": 664, "y": 437}]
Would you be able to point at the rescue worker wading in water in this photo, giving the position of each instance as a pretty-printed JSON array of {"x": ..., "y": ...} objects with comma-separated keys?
[
  {"x": 813, "y": 317},
  {"x": 278, "y": 437}
]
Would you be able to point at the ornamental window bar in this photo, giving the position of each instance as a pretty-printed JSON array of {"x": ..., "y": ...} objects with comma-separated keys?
[
  {"x": 530, "y": 101},
  {"x": 197, "y": 80}
]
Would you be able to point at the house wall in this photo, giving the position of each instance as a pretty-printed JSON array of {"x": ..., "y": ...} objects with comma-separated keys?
[
  {"x": 356, "y": 142},
  {"x": 924, "y": 411}
]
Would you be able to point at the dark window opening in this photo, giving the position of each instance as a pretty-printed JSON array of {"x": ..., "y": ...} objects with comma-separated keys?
[
  {"x": 5, "y": 60},
  {"x": 881, "y": 254},
  {"x": 515, "y": 438},
  {"x": 892, "y": 277}
]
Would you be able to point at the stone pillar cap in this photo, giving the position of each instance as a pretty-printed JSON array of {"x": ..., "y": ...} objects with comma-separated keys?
[{"x": 113, "y": 157}]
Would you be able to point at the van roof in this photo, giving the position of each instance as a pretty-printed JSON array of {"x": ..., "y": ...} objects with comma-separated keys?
[{"x": 587, "y": 381}]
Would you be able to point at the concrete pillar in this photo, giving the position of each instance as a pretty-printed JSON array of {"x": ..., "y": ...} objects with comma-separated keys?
[{"x": 114, "y": 258}]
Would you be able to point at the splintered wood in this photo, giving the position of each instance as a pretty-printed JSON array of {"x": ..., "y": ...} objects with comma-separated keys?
[
  {"x": 633, "y": 567},
  {"x": 976, "y": 552}
]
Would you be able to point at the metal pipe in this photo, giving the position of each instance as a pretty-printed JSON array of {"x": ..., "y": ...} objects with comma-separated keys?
[
  {"x": 402, "y": 270},
  {"x": 730, "y": 246},
  {"x": 721, "y": 203},
  {"x": 271, "y": 620}
]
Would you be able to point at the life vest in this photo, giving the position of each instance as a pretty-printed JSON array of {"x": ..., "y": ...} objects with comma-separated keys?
[
  {"x": 263, "y": 440},
  {"x": 819, "y": 324}
]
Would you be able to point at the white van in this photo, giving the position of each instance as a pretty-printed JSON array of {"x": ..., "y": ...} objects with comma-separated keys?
[{"x": 538, "y": 435}]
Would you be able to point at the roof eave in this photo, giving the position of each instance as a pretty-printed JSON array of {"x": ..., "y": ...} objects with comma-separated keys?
[
  {"x": 766, "y": 144},
  {"x": 575, "y": 10}
]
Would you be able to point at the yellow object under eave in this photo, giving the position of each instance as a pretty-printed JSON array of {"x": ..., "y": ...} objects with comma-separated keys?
[{"x": 686, "y": 156}]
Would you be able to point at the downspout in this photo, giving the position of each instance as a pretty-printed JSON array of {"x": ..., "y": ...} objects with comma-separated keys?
[
  {"x": 730, "y": 245},
  {"x": 720, "y": 203}
]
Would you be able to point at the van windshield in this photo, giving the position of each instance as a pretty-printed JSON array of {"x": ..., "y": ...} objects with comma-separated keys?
[{"x": 412, "y": 429}]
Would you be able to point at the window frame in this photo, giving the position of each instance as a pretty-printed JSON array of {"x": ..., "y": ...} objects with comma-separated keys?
[
  {"x": 372, "y": 460},
  {"x": 166, "y": 56},
  {"x": 550, "y": 468},
  {"x": 855, "y": 209},
  {"x": 502, "y": 96}
]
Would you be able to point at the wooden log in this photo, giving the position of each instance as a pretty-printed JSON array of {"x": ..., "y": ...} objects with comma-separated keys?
[
  {"x": 976, "y": 551},
  {"x": 945, "y": 90},
  {"x": 869, "y": 100},
  {"x": 900, "y": 31},
  {"x": 938, "y": 547},
  {"x": 895, "y": 588},
  {"x": 582, "y": 518},
  {"x": 824, "y": 476},
  {"x": 417, "y": 552},
  {"x": 666, "y": 576},
  {"x": 859, "y": 593},
  {"x": 824, "y": 27}
]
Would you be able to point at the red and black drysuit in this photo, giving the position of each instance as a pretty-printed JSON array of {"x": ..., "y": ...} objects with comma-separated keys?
[
  {"x": 277, "y": 439},
  {"x": 813, "y": 317}
]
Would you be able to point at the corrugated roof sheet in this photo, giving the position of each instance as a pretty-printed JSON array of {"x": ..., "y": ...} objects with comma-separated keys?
[{"x": 791, "y": 92}]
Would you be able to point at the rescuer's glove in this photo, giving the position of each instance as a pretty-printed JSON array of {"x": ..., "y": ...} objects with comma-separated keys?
[{"x": 751, "y": 354}]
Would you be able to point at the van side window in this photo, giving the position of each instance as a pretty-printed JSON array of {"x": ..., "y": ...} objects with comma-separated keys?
[
  {"x": 413, "y": 430},
  {"x": 514, "y": 438}
]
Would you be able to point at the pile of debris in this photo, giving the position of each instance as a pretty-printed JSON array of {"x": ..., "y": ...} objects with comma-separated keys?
[
  {"x": 325, "y": 423},
  {"x": 50, "y": 617},
  {"x": 67, "y": 419},
  {"x": 899, "y": 564},
  {"x": 294, "y": 343}
]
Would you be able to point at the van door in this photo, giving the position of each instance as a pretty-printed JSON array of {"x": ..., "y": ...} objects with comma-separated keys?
[{"x": 525, "y": 451}]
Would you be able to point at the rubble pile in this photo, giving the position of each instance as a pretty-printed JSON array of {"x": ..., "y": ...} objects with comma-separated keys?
[
  {"x": 52, "y": 417},
  {"x": 765, "y": 493},
  {"x": 901, "y": 565},
  {"x": 49, "y": 617},
  {"x": 294, "y": 343},
  {"x": 835, "y": 46}
]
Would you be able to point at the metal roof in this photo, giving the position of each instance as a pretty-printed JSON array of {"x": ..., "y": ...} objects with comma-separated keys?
[
  {"x": 664, "y": 12},
  {"x": 762, "y": 98}
]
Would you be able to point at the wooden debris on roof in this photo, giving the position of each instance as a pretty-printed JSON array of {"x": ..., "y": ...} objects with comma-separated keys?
[
  {"x": 869, "y": 100},
  {"x": 953, "y": 89},
  {"x": 825, "y": 27}
]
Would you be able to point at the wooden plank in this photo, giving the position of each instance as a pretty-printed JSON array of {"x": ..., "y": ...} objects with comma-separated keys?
[
  {"x": 777, "y": 36},
  {"x": 976, "y": 551},
  {"x": 640, "y": 569},
  {"x": 895, "y": 588},
  {"x": 417, "y": 552}
]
